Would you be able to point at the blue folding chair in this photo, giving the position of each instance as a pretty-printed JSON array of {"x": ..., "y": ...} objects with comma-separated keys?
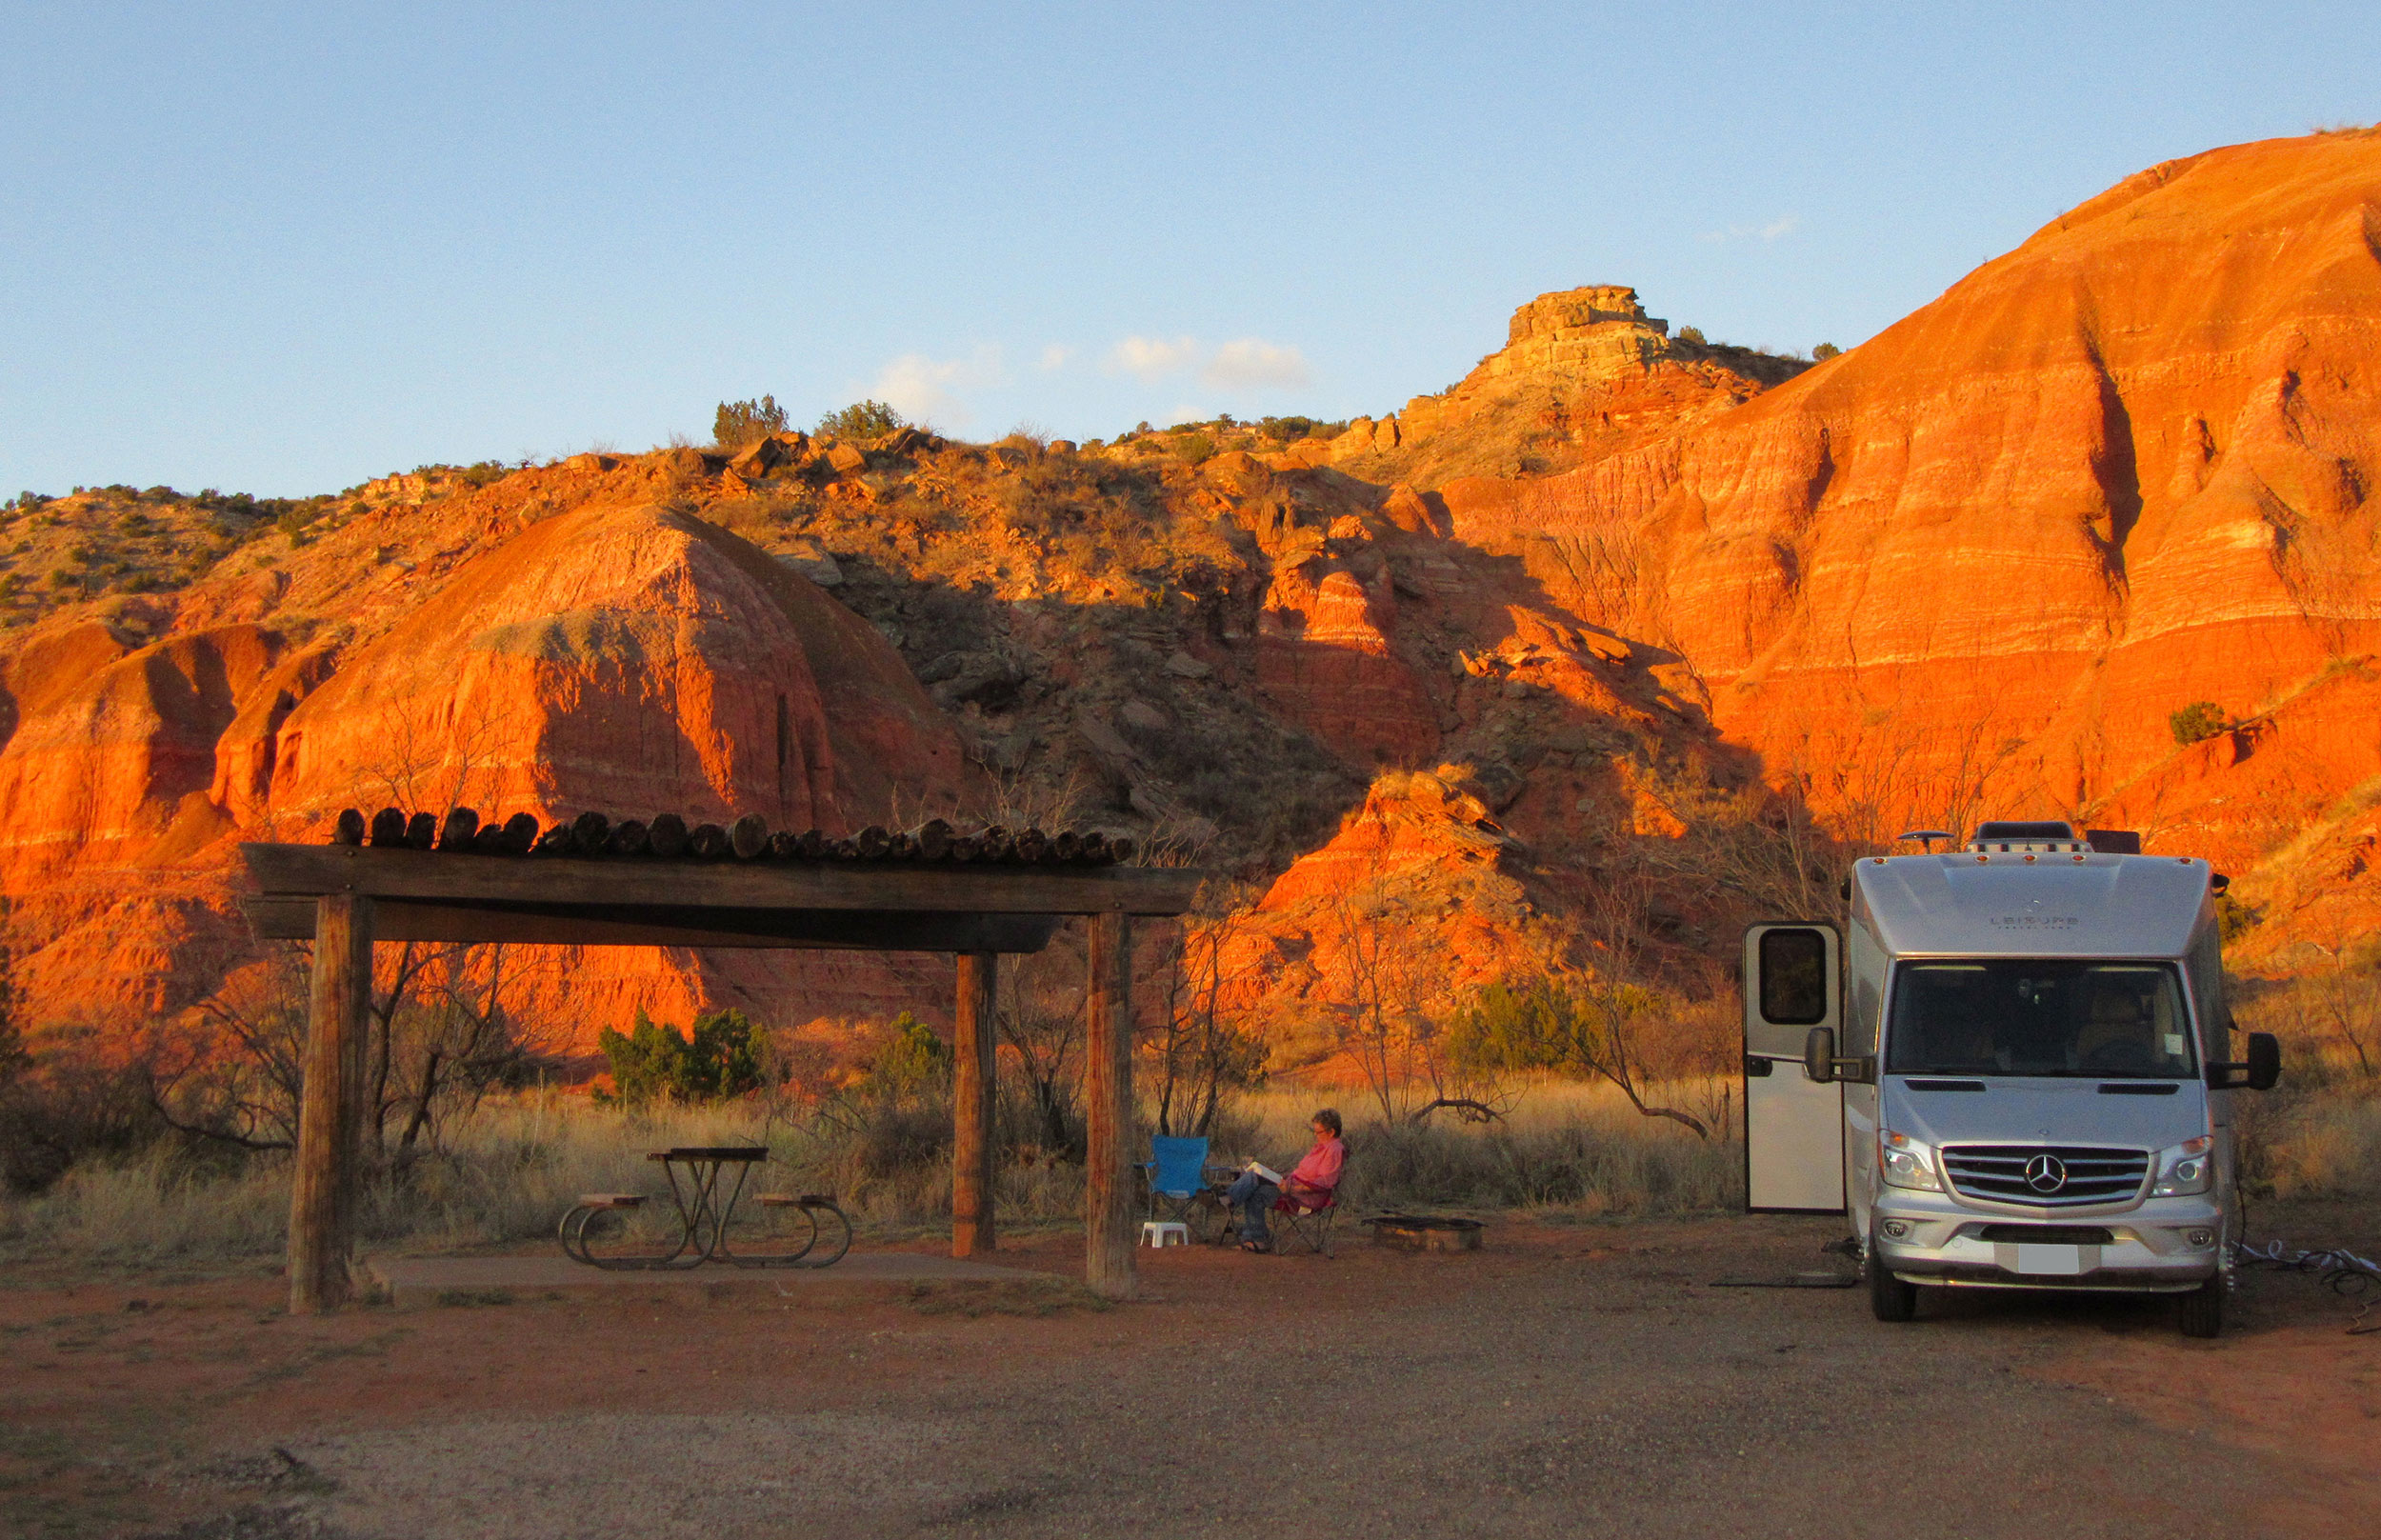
[{"x": 1179, "y": 1190}]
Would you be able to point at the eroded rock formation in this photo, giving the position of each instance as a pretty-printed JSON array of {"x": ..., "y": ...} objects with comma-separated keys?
[
  {"x": 1613, "y": 580},
  {"x": 618, "y": 657},
  {"x": 1980, "y": 558}
]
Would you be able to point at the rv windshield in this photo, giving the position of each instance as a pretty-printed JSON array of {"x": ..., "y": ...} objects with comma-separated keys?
[{"x": 2039, "y": 1017}]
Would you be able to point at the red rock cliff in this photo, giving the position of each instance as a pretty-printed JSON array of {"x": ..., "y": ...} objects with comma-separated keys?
[
  {"x": 622, "y": 658},
  {"x": 1980, "y": 558}
]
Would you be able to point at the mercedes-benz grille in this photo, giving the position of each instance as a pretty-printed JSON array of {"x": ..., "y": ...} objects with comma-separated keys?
[{"x": 2046, "y": 1175}]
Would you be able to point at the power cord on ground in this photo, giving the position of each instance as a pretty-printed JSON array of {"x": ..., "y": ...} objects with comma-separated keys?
[{"x": 2343, "y": 1271}]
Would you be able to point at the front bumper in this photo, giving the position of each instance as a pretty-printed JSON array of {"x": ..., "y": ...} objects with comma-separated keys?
[{"x": 2149, "y": 1247}]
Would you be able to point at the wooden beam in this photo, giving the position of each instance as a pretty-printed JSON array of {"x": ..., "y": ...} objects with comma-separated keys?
[
  {"x": 972, "y": 1168},
  {"x": 1108, "y": 1239},
  {"x": 323, "y": 1193},
  {"x": 616, "y": 925},
  {"x": 461, "y": 877}
]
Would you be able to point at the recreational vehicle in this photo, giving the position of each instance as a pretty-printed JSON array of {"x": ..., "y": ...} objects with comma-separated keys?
[{"x": 2012, "y": 1066}]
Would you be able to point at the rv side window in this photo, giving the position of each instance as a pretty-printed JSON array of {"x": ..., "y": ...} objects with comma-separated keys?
[
  {"x": 1860, "y": 1023},
  {"x": 2039, "y": 1017},
  {"x": 1794, "y": 977},
  {"x": 2207, "y": 983}
]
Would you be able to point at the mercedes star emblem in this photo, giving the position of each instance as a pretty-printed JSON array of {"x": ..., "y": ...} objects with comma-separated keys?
[{"x": 2046, "y": 1174}]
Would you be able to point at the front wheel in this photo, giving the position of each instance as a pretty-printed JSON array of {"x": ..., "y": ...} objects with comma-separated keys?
[
  {"x": 1890, "y": 1299},
  {"x": 2203, "y": 1309}
]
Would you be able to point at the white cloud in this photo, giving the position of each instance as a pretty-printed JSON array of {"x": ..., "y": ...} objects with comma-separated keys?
[
  {"x": 1253, "y": 362},
  {"x": 1055, "y": 355},
  {"x": 926, "y": 390},
  {"x": 1248, "y": 364},
  {"x": 1784, "y": 225},
  {"x": 1186, "y": 414},
  {"x": 1153, "y": 358}
]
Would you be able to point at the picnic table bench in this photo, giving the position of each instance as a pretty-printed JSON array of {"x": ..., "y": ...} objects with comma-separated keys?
[{"x": 807, "y": 1230}]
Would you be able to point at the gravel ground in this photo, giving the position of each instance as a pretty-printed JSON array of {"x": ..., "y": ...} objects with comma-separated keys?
[{"x": 1567, "y": 1380}]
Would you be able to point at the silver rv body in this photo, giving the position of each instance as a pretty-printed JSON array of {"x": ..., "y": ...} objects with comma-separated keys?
[{"x": 2024, "y": 1049}]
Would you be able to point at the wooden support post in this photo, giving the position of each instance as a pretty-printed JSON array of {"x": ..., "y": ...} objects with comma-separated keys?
[
  {"x": 971, "y": 1228},
  {"x": 1108, "y": 1262},
  {"x": 323, "y": 1195}
]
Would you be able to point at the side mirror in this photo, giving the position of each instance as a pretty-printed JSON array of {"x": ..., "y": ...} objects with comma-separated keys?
[
  {"x": 2264, "y": 1061},
  {"x": 2261, "y": 1071},
  {"x": 1818, "y": 1054}
]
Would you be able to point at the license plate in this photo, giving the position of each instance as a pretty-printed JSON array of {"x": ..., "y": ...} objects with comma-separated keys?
[{"x": 2049, "y": 1261}]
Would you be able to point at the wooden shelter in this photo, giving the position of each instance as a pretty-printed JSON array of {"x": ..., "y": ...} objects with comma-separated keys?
[{"x": 345, "y": 896}]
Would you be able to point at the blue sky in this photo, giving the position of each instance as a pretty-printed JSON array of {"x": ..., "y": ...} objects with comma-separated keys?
[{"x": 282, "y": 250}]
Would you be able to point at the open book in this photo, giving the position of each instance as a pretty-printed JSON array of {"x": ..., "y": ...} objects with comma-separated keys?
[{"x": 1267, "y": 1172}]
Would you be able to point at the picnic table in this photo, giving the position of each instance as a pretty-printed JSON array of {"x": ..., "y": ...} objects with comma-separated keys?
[{"x": 807, "y": 1230}]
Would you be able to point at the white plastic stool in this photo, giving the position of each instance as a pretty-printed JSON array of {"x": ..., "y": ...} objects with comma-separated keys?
[{"x": 1165, "y": 1232}]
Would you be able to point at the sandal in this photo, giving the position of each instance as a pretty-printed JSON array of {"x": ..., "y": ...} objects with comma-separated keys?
[{"x": 1255, "y": 1247}]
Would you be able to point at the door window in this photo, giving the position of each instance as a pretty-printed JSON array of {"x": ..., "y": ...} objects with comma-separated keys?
[{"x": 1794, "y": 977}]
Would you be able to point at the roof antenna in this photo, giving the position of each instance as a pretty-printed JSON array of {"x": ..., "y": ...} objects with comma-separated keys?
[{"x": 1926, "y": 837}]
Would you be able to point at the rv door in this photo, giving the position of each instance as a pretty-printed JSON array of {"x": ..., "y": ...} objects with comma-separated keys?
[{"x": 1793, "y": 1127}]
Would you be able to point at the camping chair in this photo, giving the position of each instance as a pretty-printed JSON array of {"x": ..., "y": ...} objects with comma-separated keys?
[
  {"x": 1178, "y": 1184},
  {"x": 1293, "y": 1215}
]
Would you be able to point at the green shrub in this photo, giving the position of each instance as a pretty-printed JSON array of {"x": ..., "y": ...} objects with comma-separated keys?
[
  {"x": 2198, "y": 721},
  {"x": 655, "y": 1062},
  {"x": 1825, "y": 351},
  {"x": 911, "y": 1061},
  {"x": 739, "y": 423},
  {"x": 1503, "y": 1028},
  {"x": 1195, "y": 446},
  {"x": 897, "y": 1118},
  {"x": 1691, "y": 333},
  {"x": 862, "y": 419}
]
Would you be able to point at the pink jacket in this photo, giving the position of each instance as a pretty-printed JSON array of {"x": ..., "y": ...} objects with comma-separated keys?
[{"x": 1319, "y": 1172}]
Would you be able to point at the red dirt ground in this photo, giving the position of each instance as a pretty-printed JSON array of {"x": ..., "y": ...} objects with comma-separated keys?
[{"x": 1565, "y": 1378}]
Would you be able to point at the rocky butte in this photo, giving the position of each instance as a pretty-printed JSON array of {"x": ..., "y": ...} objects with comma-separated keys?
[
  {"x": 1982, "y": 558},
  {"x": 1591, "y": 632}
]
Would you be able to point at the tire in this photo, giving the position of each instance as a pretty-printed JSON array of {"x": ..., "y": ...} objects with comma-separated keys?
[
  {"x": 2202, "y": 1313},
  {"x": 1890, "y": 1299}
]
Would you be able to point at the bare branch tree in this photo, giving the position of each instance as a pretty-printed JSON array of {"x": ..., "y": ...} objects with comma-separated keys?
[
  {"x": 1200, "y": 1045},
  {"x": 1040, "y": 1009},
  {"x": 234, "y": 1074},
  {"x": 1605, "y": 1035}
]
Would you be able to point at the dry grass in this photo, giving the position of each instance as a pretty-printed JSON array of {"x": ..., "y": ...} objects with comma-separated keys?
[
  {"x": 517, "y": 1166},
  {"x": 1567, "y": 1148},
  {"x": 509, "y": 1177},
  {"x": 2318, "y": 1134},
  {"x": 1565, "y": 1151},
  {"x": 2324, "y": 1145}
]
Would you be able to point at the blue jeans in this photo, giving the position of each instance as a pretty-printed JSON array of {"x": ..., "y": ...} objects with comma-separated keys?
[{"x": 1253, "y": 1196}]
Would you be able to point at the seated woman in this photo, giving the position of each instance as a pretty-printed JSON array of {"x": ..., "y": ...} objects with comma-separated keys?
[{"x": 1309, "y": 1181}]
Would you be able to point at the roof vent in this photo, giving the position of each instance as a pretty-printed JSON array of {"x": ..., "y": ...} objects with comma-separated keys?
[{"x": 2031, "y": 837}]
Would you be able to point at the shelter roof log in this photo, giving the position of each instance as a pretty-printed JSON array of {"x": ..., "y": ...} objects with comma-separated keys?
[
  {"x": 613, "y": 925},
  {"x": 461, "y": 878}
]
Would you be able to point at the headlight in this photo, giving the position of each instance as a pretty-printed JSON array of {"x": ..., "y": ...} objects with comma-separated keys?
[
  {"x": 1905, "y": 1162},
  {"x": 2184, "y": 1168}
]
